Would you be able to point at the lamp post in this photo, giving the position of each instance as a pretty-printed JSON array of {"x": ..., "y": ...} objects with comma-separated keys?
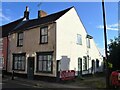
[{"x": 105, "y": 38}]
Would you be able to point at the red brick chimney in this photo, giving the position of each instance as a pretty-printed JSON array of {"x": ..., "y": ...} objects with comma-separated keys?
[{"x": 41, "y": 13}]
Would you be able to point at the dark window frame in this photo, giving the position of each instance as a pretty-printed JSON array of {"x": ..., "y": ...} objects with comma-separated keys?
[
  {"x": 20, "y": 39},
  {"x": 45, "y": 35},
  {"x": 44, "y": 54},
  {"x": 85, "y": 63},
  {"x": 18, "y": 56}
]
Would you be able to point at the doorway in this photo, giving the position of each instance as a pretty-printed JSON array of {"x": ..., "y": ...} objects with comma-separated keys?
[
  {"x": 30, "y": 69},
  {"x": 79, "y": 67},
  {"x": 93, "y": 67}
]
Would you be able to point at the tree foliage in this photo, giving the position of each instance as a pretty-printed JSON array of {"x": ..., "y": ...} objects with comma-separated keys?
[{"x": 114, "y": 53}]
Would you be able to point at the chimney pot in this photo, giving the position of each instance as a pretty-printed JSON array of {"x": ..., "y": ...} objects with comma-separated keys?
[
  {"x": 26, "y": 13},
  {"x": 27, "y": 8}
]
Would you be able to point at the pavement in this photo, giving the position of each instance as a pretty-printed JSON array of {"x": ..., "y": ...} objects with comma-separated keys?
[{"x": 26, "y": 83}]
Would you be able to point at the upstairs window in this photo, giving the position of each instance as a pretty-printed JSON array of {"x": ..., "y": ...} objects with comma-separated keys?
[
  {"x": 44, "y": 35},
  {"x": 88, "y": 42},
  {"x": 79, "y": 39},
  {"x": 20, "y": 39}
]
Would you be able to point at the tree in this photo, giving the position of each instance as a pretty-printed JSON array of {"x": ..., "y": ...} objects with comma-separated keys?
[{"x": 114, "y": 53}]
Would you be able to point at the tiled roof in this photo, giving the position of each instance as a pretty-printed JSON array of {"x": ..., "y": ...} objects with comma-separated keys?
[
  {"x": 23, "y": 25},
  {"x": 8, "y": 27}
]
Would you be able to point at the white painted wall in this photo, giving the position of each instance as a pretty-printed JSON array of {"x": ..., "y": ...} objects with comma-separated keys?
[{"x": 67, "y": 28}]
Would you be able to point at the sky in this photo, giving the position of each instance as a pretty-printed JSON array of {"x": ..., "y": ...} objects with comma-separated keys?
[{"x": 89, "y": 12}]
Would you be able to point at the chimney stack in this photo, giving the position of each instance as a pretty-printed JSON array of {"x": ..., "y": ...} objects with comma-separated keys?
[
  {"x": 26, "y": 13},
  {"x": 41, "y": 13}
]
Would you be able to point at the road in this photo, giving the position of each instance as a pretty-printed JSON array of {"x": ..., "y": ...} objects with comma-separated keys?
[
  {"x": 15, "y": 84},
  {"x": 25, "y": 83}
]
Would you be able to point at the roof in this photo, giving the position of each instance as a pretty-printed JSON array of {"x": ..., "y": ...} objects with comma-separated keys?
[
  {"x": 20, "y": 24},
  {"x": 8, "y": 27}
]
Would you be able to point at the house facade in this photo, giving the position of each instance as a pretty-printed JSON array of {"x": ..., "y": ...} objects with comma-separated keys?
[{"x": 52, "y": 43}]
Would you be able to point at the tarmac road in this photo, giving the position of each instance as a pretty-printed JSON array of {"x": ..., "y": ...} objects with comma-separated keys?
[{"x": 25, "y": 83}]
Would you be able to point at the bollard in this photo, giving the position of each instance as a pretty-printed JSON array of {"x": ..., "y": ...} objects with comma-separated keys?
[{"x": 13, "y": 75}]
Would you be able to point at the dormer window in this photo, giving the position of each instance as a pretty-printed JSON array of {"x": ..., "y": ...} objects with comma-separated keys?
[
  {"x": 44, "y": 35},
  {"x": 20, "y": 39}
]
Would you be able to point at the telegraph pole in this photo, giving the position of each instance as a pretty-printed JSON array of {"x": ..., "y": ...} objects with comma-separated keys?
[{"x": 105, "y": 38}]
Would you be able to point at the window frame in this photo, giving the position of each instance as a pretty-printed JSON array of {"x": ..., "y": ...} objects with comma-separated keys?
[
  {"x": 42, "y": 69},
  {"x": 79, "y": 42},
  {"x": 45, "y": 35},
  {"x": 19, "y": 61},
  {"x": 88, "y": 43},
  {"x": 20, "y": 39},
  {"x": 85, "y": 63}
]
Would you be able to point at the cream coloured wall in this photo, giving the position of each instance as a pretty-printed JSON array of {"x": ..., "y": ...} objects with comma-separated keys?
[
  {"x": 68, "y": 26},
  {"x": 31, "y": 45}
]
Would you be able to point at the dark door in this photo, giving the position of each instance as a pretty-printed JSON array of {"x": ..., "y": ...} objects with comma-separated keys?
[
  {"x": 93, "y": 66},
  {"x": 30, "y": 69},
  {"x": 79, "y": 66}
]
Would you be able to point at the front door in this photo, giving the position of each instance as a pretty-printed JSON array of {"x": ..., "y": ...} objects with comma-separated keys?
[
  {"x": 93, "y": 66},
  {"x": 30, "y": 69}
]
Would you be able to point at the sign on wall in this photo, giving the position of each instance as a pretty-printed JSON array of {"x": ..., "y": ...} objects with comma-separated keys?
[{"x": 67, "y": 75}]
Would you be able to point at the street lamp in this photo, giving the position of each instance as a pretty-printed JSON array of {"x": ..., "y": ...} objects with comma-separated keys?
[{"x": 105, "y": 38}]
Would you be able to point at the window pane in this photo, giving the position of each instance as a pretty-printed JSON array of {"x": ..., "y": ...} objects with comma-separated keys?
[
  {"x": 40, "y": 57},
  {"x": 49, "y": 57},
  {"x": 42, "y": 39},
  {"x": 20, "y": 42},
  {"x": 44, "y": 66},
  {"x": 42, "y": 31},
  {"x": 45, "y": 31},
  {"x": 88, "y": 43},
  {"x": 45, "y": 37},
  {"x": 49, "y": 66},
  {"x": 23, "y": 65},
  {"x": 19, "y": 65},
  {"x": 20, "y": 36},
  {"x": 44, "y": 57},
  {"x": 40, "y": 66},
  {"x": 15, "y": 65},
  {"x": 79, "y": 39}
]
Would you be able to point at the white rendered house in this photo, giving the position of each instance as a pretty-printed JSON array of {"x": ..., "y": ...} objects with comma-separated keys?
[{"x": 51, "y": 43}]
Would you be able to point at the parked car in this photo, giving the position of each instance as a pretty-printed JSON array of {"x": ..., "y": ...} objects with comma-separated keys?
[{"x": 115, "y": 78}]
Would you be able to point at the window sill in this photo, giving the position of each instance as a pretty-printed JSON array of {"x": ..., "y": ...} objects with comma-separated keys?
[
  {"x": 43, "y": 43},
  {"x": 44, "y": 72},
  {"x": 18, "y": 70},
  {"x": 19, "y": 45}
]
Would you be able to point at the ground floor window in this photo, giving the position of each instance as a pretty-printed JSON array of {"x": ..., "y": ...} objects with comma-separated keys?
[
  {"x": 19, "y": 61},
  {"x": 85, "y": 63},
  {"x": 44, "y": 61}
]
